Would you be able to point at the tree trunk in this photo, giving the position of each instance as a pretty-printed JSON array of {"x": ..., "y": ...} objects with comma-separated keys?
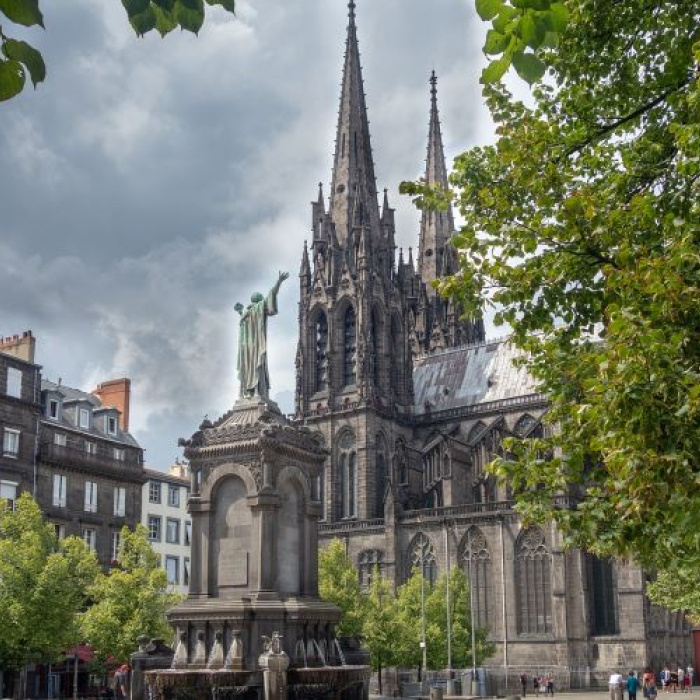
[{"x": 379, "y": 668}]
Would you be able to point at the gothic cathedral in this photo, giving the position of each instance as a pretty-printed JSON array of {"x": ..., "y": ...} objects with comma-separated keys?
[{"x": 413, "y": 402}]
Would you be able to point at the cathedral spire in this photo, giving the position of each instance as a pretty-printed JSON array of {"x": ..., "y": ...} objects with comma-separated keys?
[
  {"x": 437, "y": 227},
  {"x": 353, "y": 184}
]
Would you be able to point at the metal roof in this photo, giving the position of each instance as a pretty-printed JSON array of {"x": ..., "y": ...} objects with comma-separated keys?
[{"x": 470, "y": 375}]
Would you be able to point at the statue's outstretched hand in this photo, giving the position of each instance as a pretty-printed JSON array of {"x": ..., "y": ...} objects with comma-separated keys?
[
  {"x": 239, "y": 307},
  {"x": 283, "y": 276}
]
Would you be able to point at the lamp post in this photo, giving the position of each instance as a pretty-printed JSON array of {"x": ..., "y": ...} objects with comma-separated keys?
[
  {"x": 450, "y": 682},
  {"x": 422, "y": 605},
  {"x": 475, "y": 684}
]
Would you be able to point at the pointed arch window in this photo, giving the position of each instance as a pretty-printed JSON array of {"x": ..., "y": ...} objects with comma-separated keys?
[
  {"x": 533, "y": 576},
  {"x": 348, "y": 475},
  {"x": 368, "y": 564},
  {"x": 349, "y": 347},
  {"x": 603, "y": 596},
  {"x": 476, "y": 560},
  {"x": 321, "y": 359},
  {"x": 421, "y": 555}
]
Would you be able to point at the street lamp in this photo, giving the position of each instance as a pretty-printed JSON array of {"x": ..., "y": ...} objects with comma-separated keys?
[
  {"x": 422, "y": 603},
  {"x": 475, "y": 684},
  {"x": 450, "y": 682}
]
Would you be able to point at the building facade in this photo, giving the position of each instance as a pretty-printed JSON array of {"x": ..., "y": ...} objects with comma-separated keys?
[
  {"x": 413, "y": 402},
  {"x": 164, "y": 514},
  {"x": 70, "y": 449}
]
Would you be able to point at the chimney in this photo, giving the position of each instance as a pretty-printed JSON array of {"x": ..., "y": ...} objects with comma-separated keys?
[
  {"x": 117, "y": 394},
  {"x": 23, "y": 347}
]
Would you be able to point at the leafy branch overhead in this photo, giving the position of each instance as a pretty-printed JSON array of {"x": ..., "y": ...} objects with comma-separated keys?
[
  {"x": 18, "y": 58},
  {"x": 519, "y": 30}
]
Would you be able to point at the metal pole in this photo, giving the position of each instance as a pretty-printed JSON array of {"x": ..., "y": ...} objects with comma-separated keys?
[
  {"x": 471, "y": 610},
  {"x": 422, "y": 605},
  {"x": 503, "y": 596},
  {"x": 75, "y": 676},
  {"x": 447, "y": 596}
]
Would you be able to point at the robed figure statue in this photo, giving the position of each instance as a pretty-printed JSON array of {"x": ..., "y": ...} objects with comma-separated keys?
[{"x": 252, "y": 342}]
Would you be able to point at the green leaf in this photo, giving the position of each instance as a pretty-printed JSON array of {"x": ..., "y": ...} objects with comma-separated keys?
[
  {"x": 495, "y": 71},
  {"x": 144, "y": 22},
  {"x": 488, "y": 9},
  {"x": 229, "y": 5},
  {"x": 529, "y": 67},
  {"x": 32, "y": 59},
  {"x": 25, "y": 12},
  {"x": 165, "y": 22},
  {"x": 190, "y": 14},
  {"x": 527, "y": 29},
  {"x": 495, "y": 42},
  {"x": 11, "y": 79},
  {"x": 136, "y": 7},
  {"x": 504, "y": 19},
  {"x": 559, "y": 16}
]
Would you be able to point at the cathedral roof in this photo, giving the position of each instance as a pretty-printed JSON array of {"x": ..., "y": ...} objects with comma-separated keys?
[{"x": 468, "y": 376}]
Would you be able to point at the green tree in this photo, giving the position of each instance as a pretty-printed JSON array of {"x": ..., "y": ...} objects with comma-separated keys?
[
  {"x": 17, "y": 58},
  {"x": 582, "y": 229},
  {"x": 129, "y": 601},
  {"x": 43, "y": 586},
  {"x": 379, "y": 628},
  {"x": 338, "y": 583}
]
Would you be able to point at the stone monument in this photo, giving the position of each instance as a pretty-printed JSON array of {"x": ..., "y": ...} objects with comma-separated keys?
[{"x": 253, "y": 622}]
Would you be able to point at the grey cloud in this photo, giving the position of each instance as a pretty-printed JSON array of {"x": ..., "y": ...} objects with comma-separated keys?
[{"x": 149, "y": 185}]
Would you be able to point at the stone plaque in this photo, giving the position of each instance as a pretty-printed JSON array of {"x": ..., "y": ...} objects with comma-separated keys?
[{"x": 233, "y": 570}]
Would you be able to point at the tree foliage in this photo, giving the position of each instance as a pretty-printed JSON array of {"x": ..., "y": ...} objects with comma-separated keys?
[
  {"x": 17, "y": 58},
  {"x": 129, "y": 601},
  {"x": 43, "y": 586},
  {"x": 390, "y": 622},
  {"x": 338, "y": 584},
  {"x": 582, "y": 229}
]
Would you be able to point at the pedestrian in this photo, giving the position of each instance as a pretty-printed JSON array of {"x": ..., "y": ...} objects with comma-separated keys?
[
  {"x": 615, "y": 686},
  {"x": 665, "y": 677},
  {"x": 536, "y": 685},
  {"x": 690, "y": 673},
  {"x": 550, "y": 686},
  {"x": 523, "y": 683},
  {"x": 673, "y": 680},
  {"x": 681, "y": 678},
  {"x": 632, "y": 684}
]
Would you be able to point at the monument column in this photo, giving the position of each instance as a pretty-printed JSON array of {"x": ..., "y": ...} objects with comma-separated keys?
[
  {"x": 313, "y": 515},
  {"x": 199, "y": 554},
  {"x": 265, "y": 507}
]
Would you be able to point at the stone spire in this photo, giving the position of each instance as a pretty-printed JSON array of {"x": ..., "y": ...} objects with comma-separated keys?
[
  {"x": 354, "y": 187},
  {"x": 436, "y": 227}
]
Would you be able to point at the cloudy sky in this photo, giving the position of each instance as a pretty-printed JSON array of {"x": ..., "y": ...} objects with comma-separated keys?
[{"x": 150, "y": 184}]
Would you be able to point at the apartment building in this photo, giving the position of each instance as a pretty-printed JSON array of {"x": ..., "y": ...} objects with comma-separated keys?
[{"x": 164, "y": 509}]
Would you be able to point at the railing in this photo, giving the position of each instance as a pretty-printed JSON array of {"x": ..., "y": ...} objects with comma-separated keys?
[
  {"x": 61, "y": 455},
  {"x": 351, "y": 526},
  {"x": 485, "y": 407},
  {"x": 457, "y": 511}
]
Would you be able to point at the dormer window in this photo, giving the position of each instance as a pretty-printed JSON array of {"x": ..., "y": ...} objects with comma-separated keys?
[
  {"x": 53, "y": 409},
  {"x": 84, "y": 418},
  {"x": 112, "y": 425}
]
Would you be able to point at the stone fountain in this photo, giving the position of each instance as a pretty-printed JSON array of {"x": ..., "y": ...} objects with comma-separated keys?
[{"x": 253, "y": 625}]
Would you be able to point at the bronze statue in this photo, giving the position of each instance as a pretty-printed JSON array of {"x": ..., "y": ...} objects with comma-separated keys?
[{"x": 252, "y": 342}]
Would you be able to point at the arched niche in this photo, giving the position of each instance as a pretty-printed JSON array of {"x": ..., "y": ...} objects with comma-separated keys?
[
  {"x": 231, "y": 537},
  {"x": 291, "y": 534}
]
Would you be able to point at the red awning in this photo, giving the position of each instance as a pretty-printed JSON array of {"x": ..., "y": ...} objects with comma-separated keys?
[{"x": 84, "y": 651}]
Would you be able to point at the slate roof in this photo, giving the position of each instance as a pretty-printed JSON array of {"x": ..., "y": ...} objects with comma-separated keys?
[
  {"x": 468, "y": 376},
  {"x": 71, "y": 395}
]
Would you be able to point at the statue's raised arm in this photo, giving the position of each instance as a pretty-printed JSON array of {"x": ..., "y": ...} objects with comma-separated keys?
[{"x": 253, "y": 374}]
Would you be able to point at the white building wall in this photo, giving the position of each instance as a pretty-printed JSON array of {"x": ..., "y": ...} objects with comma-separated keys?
[{"x": 164, "y": 514}]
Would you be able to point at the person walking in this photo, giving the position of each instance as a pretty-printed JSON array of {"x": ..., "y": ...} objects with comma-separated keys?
[
  {"x": 690, "y": 675},
  {"x": 632, "y": 683},
  {"x": 681, "y": 678},
  {"x": 649, "y": 684},
  {"x": 665, "y": 677},
  {"x": 673, "y": 680},
  {"x": 536, "y": 685},
  {"x": 615, "y": 686}
]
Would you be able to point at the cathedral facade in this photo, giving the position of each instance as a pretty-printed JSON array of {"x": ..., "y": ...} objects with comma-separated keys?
[{"x": 413, "y": 402}]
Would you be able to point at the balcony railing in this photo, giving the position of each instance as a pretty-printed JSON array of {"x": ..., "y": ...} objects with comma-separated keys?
[
  {"x": 65, "y": 456},
  {"x": 351, "y": 526}
]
